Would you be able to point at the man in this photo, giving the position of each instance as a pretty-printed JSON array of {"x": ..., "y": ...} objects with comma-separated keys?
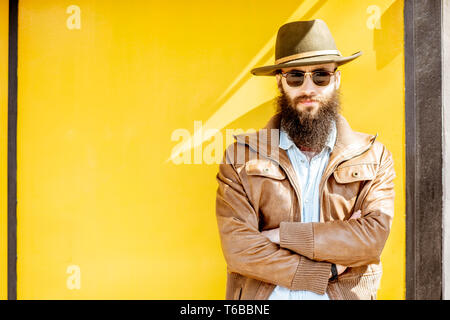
[{"x": 305, "y": 213}]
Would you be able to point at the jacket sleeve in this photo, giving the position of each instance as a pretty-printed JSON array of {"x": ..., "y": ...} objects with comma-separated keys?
[
  {"x": 248, "y": 252},
  {"x": 354, "y": 242}
]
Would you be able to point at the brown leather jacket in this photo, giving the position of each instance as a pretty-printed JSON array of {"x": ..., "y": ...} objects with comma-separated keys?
[{"x": 258, "y": 191}]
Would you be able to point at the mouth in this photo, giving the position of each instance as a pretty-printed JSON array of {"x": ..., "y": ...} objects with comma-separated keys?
[{"x": 308, "y": 102}]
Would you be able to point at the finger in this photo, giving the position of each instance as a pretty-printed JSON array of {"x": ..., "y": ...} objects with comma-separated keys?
[
  {"x": 341, "y": 269},
  {"x": 356, "y": 215}
]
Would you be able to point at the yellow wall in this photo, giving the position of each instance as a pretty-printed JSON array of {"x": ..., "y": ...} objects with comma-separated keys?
[
  {"x": 4, "y": 22},
  {"x": 104, "y": 211}
]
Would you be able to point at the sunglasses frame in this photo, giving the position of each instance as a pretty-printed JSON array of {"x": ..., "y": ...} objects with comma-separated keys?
[{"x": 310, "y": 73}]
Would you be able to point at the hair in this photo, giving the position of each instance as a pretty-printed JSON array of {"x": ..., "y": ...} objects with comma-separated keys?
[{"x": 304, "y": 129}]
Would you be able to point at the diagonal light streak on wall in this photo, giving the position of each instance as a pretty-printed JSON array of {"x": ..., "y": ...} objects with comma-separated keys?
[{"x": 252, "y": 93}]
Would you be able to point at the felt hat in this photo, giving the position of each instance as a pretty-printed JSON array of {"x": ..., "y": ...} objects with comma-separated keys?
[{"x": 302, "y": 43}]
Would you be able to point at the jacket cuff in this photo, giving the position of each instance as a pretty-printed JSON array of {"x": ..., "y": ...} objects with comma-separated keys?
[
  {"x": 311, "y": 276},
  {"x": 298, "y": 237}
]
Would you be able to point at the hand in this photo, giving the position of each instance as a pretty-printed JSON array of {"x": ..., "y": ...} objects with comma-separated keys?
[
  {"x": 341, "y": 269},
  {"x": 356, "y": 215},
  {"x": 273, "y": 235}
]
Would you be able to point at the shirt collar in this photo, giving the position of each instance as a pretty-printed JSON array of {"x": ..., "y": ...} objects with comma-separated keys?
[{"x": 286, "y": 142}]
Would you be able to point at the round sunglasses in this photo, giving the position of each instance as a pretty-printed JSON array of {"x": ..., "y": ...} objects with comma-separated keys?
[{"x": 296, "y": 78}]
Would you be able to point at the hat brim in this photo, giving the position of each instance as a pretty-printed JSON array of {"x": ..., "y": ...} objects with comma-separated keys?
[{"x": 272, "y": 70}]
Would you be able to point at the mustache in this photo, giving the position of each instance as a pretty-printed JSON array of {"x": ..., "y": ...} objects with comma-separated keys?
[{"x": 304, "y": 98}]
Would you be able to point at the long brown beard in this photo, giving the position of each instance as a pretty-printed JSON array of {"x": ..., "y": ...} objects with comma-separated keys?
[{"x": 308, "y": 131}]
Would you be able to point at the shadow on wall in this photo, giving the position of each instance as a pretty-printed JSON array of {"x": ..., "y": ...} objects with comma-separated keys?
[
  {"x": 388, "y": 36},
  {"x": 256, "y": 118},
  {"x": 309, "y": 15}
]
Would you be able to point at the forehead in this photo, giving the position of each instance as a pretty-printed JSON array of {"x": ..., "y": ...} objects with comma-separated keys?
[{"x": 327, "y": 66}]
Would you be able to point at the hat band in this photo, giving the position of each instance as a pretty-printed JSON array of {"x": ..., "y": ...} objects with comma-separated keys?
[{"x": 307, "y": 55}]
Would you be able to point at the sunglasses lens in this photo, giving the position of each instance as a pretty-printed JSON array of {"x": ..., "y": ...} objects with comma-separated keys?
[
  {"x": 321, "y": 78},
  {"x": 295, "y": 79}
]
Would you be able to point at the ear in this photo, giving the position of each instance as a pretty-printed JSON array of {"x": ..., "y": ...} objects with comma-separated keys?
[
  {"x": 279, "y": 84},
  {"x": 338, "y": 78}
]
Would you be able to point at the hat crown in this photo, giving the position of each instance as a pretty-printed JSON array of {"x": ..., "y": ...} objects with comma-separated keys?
[{"x": 303, "y": 36}]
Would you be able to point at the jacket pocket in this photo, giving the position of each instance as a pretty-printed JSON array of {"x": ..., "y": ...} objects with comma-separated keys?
[
  {"x": 237, "y": 294},
  {"x": 265, "y": 168},
  {"x": 356, "y": 179},
  {"x": 355, "y": 172},
  {"x": 250, "y": 289},
  {"x": 234, "y": 286}
]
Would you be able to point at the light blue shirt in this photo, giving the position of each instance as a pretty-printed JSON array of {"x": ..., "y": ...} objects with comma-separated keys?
[{"x": 309, "y": 175}]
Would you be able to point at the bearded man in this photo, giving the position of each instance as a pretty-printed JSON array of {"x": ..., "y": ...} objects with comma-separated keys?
[{"x": 310, "y": 220}]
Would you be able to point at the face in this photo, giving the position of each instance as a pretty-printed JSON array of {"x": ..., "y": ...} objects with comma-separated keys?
[
  {"x": 308, "y": 111},
  {"x": 306, "y": 98}
]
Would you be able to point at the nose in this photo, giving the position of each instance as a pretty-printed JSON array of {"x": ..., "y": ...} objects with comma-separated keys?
[{"x": 308, "y": 88}]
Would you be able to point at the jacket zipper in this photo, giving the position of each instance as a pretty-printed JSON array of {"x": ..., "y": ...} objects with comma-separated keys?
[{"x": 297, "y": 192}]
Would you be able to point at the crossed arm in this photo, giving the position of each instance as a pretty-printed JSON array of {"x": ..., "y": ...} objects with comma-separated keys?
[
  {"x": 274, "y": 236},
  {"x": 303, "y": 259}
]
